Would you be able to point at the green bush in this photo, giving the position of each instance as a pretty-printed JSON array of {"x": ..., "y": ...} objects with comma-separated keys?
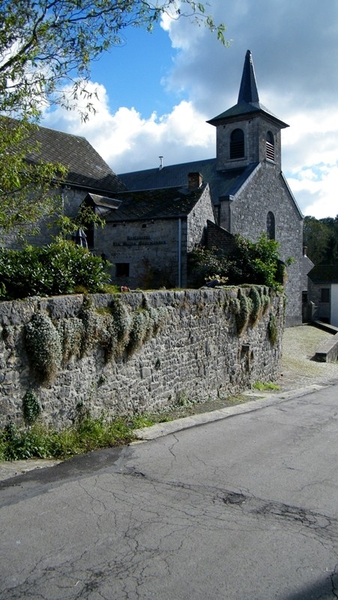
[
  {"x": 249, "y": 262},
  {"x": 58, "y": 268}
]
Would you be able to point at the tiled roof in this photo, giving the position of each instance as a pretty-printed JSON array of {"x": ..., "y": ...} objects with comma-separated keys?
[
  {"x": 222, "y": 183},
  {"x": 165, "y": 203},
  {"x": 324, "y": 274},
  {"x": 85, "y": 166}
]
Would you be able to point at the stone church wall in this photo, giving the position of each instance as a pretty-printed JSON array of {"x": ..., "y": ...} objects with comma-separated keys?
[
  {"x": 248, "y": 217},
  {"x": 135, "y": 352},
  {"x": 144, "y": 247}
]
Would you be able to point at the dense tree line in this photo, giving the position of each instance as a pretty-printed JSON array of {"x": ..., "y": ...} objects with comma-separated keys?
[{"x": 321, "y": 240}]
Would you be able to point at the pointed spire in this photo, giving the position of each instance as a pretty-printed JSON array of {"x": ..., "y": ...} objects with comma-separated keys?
[
  {"x": 248, "y": 90},
  {"x": 248, "y": 100}
]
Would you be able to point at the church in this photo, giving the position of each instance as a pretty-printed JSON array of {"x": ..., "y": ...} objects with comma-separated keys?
[
  {"x": 154, "y": 218},
  {"x": 248, "y": 191}
]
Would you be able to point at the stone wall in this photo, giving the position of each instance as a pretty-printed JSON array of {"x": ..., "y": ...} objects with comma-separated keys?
[
  {"x": 135, "y": 352},
  {"x": 248, "y": 213}
]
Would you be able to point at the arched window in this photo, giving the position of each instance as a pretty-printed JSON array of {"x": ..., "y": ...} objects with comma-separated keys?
[
  {"x": 270, "y": 226},
  {"x": 270, "y": 146},
  {"x": 237, "y": 144}
]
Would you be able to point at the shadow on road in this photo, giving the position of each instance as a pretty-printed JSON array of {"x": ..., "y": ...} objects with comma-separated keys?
[{"x": 324, "y": 589}]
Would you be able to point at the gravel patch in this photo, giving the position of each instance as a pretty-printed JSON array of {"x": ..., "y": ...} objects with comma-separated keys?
[{"x": 298, "y": 368}]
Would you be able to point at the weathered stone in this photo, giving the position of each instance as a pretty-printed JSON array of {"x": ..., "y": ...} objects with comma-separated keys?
[{"x": 196, "y": 355}]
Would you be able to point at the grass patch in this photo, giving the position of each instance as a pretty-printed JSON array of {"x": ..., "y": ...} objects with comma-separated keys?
[
  {"x": 40, "y": 441},
  {"x": 88, "y": 434},
  {"x": 264, "y": 387}
]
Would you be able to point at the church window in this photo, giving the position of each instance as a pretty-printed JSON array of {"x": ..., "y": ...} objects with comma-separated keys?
[
  {"x": 270, "y": 226},
  {"x": 270, "y": 146},
  {"x": 237, "y": 144}
]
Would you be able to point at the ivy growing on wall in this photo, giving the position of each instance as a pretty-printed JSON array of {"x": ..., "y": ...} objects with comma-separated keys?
[
  {"x": 249, "y": 308},
  {"x": 117, "y": 330},
  {"x": 31, "y": 408},
  {"x": 43, "y": 345}
]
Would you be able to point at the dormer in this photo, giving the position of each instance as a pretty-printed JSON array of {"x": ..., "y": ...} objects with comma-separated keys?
[{"x": 248, "y": 132}]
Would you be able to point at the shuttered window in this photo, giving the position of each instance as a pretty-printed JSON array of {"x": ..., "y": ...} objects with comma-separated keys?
[{"x": 270, "y": 146}]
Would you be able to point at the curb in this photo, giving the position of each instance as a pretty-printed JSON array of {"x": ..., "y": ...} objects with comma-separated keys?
[{"x": 261, "y": 401}]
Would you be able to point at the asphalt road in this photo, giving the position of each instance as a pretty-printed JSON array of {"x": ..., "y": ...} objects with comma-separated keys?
[{"x": 245, "y": 507}]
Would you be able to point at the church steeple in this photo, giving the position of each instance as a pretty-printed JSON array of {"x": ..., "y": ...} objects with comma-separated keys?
[
  {"x": 248, "y": 90},
  {"x": 247, "y": 133},
  {"x": 248, "y": 99}
]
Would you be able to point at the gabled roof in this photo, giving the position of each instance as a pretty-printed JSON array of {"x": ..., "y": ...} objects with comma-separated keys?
[
  {"x": 223, "y": 184},
  {"x": 168, "y": 203},
  {"x": 324, "y": 274},
  {"x": 248, "y": 99},
  {"x": 86, "y": 168}
]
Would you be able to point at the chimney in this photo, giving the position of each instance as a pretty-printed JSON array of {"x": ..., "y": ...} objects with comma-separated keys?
[
  {"x": 161, "y": 163},
  {"x": 195, "y": 180}
]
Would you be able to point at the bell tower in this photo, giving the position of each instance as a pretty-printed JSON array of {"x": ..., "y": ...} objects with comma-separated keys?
[{"x": 247, "y": 133}]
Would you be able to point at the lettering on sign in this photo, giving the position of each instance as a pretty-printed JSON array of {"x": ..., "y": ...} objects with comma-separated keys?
[{"x": 140, "y": 240}]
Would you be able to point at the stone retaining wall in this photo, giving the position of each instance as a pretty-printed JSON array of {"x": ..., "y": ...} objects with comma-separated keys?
[{"x": 171, "y": 347}]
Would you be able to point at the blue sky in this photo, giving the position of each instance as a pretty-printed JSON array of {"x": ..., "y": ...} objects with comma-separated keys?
[{"x": 156, "y": 92}]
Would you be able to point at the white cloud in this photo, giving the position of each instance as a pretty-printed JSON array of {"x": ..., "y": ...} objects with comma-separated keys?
[{"x": 129, "y": 142}]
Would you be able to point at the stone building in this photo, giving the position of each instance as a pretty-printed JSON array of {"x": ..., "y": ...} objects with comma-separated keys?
[
  {"x": 156, "y": 216},
  {"x": 249, "y": 192},
  {"x": 148, "y": 234}
]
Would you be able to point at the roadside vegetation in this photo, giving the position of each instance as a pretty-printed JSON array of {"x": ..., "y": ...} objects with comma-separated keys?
[{"x": 87, "y": 434}]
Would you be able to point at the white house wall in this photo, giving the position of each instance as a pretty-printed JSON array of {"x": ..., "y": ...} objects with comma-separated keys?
[{"x": 334, "y": 304}]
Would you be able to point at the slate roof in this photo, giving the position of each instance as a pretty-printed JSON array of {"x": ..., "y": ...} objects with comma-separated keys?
[
  {"x": 324, "y": 274},
  {"x": 103, "y": 201},
  {"x": 248, "y": 99},
  {"x": 168, "y": 203},
  {"x": 86, "y": 168},
  {"x": 223, "y": 184}
]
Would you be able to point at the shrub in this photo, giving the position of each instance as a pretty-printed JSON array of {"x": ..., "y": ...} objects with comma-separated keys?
[
  {"x": 58, "y": 268},
  {"x": 249, "y": 262}
]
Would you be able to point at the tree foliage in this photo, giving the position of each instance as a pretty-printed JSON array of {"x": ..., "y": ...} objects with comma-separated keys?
[
  {"x": 27, "y": 188},
  {"x": 248, "y": 262},
  {"x": 45, "y": 43},
  {"x": 321, "y": 240}
]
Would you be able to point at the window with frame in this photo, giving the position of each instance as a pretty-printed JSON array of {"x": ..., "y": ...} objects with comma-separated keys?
[
  {"x": 237, "y": 144},
  {"x": 270, "y": 146},
  {"x": 122, "y": 269},
  {"x": 325, "y": 295}
]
